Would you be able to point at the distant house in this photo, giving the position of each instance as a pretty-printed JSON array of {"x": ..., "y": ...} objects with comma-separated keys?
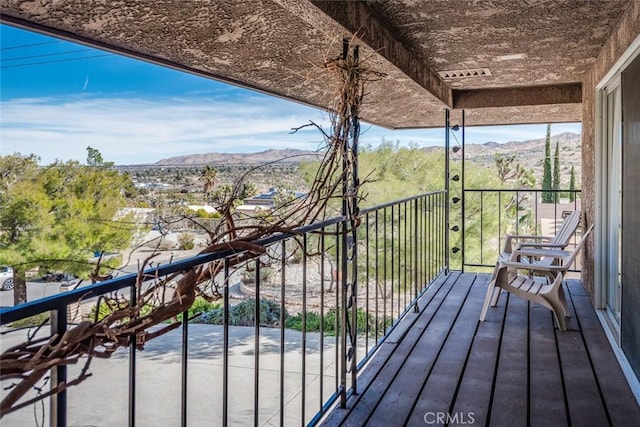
[
  {"x": 140, "y": 215},
  {"x": 264, "y": 202}
]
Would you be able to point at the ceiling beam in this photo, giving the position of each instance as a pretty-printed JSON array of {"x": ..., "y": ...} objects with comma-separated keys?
[
  {"x": 570, "y": 93},
  {"x": 357, "y": 18}
]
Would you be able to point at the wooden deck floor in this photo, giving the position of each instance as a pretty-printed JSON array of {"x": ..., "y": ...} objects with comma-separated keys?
[{"x": 514, "y": 369}]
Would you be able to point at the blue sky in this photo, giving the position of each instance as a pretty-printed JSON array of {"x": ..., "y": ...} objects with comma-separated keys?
[{"x": 59, "y": 97}]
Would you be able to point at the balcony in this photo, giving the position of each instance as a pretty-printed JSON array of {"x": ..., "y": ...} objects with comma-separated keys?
[
  {"x": 514, "y": 369},
  {"x": 404, "y": 345}
]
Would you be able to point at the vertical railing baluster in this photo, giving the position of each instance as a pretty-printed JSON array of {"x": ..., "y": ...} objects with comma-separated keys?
[
  {"x": 322, "y": 273},
  {"x": 424, "y": 239},
  {"x": 406, "y": 249},
  {"x": 283, "y": 265},
  {"x": 481, "y": 227},
  {"x": 538, "y": 231},
  {"x": 225, "y": 346},
  {"x": 304, "y": 327},
  {"x": 377, "y": 258},
  {"x": 447, "y": 146},
  {"x": 518, "y": 212},
  {"x": 58, "y": 402},
  {"x": 185, "y": 355},
  {"x": 416, "y": 271},
  {"x": 343, "y": 315},
  {"x": 353, "y": 303},
  {"x": 366, "y": 281},
  {"x": 499, "y": 218},
  {"x": 463, "y": 196},
  {"x": 256, "y": 349},
  {"x": 133, "y": 296},
  {"x": 393, "y": 270},
  {"x": 444, "y": 246},
  {"x": 340, "y": 337},
  {"x": 430, "y": 239},
  {"x": 384, "y": 272}
]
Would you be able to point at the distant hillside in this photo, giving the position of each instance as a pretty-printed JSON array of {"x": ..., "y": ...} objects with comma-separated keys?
[
  {"x": 287, "y": 155},
  {"x": 531, "y": 154}
]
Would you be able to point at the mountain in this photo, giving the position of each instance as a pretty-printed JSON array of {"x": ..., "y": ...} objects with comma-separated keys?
[
  {"x": 530, "y": 154},
  {"x": 287, "y": 155}
]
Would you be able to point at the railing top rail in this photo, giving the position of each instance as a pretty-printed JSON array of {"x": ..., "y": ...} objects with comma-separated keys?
[
  {"x": 11, "y": 314},
  {"x": 511, "y": 190},
  {"x": 396, "y": 202}
]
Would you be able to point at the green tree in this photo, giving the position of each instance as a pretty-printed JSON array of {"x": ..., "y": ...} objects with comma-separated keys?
[
  {"x": 94, "y": 158},
  {"x": 55, "y": 216},
  {"x": 572, "y": 185},
  {"x": 509, "y": 170},
  {"x": 234, "y": 195},
  {"x": 547, "y": 197},
  {"x": 208, "y": 177},
  {"x": 555, "y": 185}
]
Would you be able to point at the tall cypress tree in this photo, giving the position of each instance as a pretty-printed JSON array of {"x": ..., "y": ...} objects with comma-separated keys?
[
  {"x": 572, "y": 185},
  {"x": 556, "y": 171},
  {"x": 547, "y": 197}
]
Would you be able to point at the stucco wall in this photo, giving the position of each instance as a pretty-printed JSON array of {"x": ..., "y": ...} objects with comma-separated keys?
[{"x": 627, "y": 30}]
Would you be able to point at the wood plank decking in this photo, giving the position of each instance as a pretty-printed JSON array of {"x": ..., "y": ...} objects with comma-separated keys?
[{"x": 514, "y": 369}]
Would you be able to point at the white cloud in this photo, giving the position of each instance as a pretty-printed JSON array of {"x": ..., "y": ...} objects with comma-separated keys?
[
  {"x": 130, "y": 130},
  {"x": 134, "y": 130}
]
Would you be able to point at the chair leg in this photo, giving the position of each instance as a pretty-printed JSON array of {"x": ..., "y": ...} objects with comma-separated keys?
[
  {"x": 496, "y": 295},
  {"x": 558, "y": 314},
  {"x": 557, "y": 302},
  {"x": 563, "y": 302},
  {"x": 487, "y": 299}
]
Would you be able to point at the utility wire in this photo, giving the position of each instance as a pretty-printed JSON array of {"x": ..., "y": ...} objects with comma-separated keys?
[
  {"x": 29, "y": 45},
  {"x": 44, "y": 54},
  {"x": 50, "y": 62}
]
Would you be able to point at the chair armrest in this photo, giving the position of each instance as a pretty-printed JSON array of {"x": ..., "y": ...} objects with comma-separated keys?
[
  {"x": 534, "y": 267},
  {"x": 508, "y": 246},
  {"x": 540, "y": 245},
  {"x": 534, "y": 252}
]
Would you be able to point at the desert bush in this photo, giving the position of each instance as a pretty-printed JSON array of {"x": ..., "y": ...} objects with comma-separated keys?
[{"x": 186, "y": 241}]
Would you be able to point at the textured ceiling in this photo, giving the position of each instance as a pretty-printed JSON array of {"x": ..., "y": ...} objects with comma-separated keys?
[
  {"x": 559, "y": 38},
  {"x": 278, "y": 46}
]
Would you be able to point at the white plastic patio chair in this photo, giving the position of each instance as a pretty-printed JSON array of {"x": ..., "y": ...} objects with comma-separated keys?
[{"x": 548, "y": 291}]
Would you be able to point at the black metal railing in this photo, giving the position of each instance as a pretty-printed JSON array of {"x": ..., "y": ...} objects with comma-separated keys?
[
  {"x": 314, "y": 324},
  {"x": 490, "y": 214}
]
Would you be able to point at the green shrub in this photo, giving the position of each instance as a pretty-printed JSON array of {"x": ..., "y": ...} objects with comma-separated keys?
[
  {"x": 200, "y": 306},
  {"x": 28, "y": 322},
  {"x": 244, "y": 314},
  {"x": 186, "y": 241},
  {"x": 332, "y": 322},
  {"x": 313, "y": 322}
]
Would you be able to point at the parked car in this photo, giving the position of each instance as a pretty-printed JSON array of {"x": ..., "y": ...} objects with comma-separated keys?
[
  {"x": 6, "y": 278},
  {"x": 66, "y": 279}
]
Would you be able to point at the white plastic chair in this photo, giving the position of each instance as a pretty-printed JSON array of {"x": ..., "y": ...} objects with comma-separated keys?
[{"x": 548, "y": 291}]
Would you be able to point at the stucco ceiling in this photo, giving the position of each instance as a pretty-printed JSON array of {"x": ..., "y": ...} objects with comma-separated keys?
[{"x": 537, "y": 52}]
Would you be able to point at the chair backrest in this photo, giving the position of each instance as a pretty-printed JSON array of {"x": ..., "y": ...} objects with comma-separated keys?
[
  {"x": 578, "y": 247},
  {"x": 567, "y": 229}
]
